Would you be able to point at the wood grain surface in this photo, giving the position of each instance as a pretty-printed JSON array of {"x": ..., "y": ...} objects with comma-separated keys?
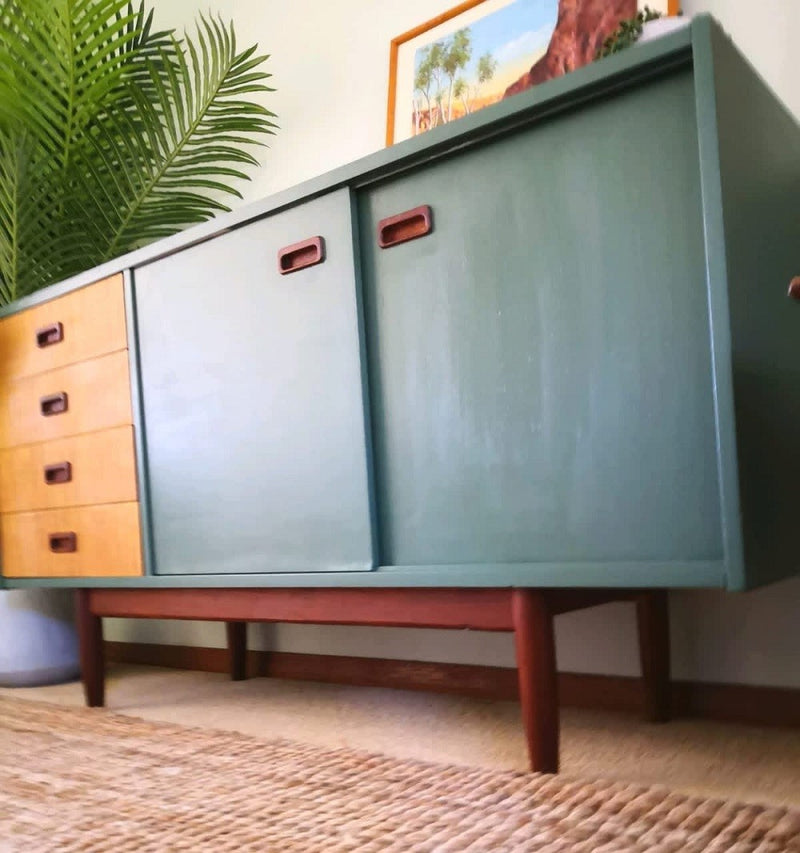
[
  {"x": 108, "y": 542},
  {"x": 93, "y": 322}
]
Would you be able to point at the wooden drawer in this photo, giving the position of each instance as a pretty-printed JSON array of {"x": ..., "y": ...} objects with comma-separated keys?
[
  {"x": 107, "y": 542},
  {"x": 97, "y": 397},
  {"x": 92, "y": 323},
  {"x": 96, "y": 468}
]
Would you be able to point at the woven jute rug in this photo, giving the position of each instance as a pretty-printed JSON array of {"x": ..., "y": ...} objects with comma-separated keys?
[{"x": 75, "y": 779}]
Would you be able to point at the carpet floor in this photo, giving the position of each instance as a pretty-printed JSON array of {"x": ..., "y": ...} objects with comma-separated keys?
[
  {"x": 76, "y": 779},
  {"x": 696, "y": 757}
]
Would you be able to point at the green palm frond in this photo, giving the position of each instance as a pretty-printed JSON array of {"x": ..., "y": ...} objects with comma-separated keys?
[
  {"x": 61, "y": 60},
  {"x": 112, "y": 134},
  {"x": 29, "y": 235},
  {"x": 198, "y": 108}
]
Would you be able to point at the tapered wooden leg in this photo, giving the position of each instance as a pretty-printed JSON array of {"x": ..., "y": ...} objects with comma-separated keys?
[
  {"x": 652, "y": 612},
  {"x": 536, "y": 667},
  {"x": 237, "y": 648},
  {"x": 90, "y": 640}
]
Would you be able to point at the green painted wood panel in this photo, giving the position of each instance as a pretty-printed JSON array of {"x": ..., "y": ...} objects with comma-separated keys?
[
  {"x": 138, "y": 426},
  {"x": 653, "y": 575},
  {"x": 759, "y": 166},
  {"x": 540, "y": 364},
  {"x": 253, "y": 405}
]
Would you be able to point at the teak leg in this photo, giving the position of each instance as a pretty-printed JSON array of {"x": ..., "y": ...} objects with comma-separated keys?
[
  {"x": 237, "y": 649},
  {"x": 536, "y": 667},
  {"x": 652, "y": 612},
  {"x": 90, "y": 639}
]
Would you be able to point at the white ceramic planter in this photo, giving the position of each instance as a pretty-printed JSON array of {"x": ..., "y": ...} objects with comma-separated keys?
[
  {"x": 661, "y": 26},
  {"x": 38, "y": 641}
]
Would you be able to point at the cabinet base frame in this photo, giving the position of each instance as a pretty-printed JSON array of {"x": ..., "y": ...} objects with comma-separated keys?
[{"x": 526, "y": 612}]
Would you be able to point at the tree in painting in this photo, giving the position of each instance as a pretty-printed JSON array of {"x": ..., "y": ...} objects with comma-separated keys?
[
  {"x": 437, "y": 85},
  {"x": 467, "y": 94},
  {"x": 456, "y": 55}
]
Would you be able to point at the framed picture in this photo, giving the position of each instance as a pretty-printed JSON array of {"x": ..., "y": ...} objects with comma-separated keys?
[{"x": 484, "y": 50}]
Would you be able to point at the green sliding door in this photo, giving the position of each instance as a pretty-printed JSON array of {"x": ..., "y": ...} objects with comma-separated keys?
[
  {"x": 540, "y": 363},
  {"x": 253, "y": 400}
]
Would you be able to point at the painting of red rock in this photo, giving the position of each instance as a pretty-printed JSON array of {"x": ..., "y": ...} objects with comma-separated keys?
[{"x": 503, "y": 47}]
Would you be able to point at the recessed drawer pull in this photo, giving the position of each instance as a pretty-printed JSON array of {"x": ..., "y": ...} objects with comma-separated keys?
[
  {"x": 61, "y": 472},
  {"x": 298, "y": 256},
  {"x": 54, "y": 404},
  {"x": 48, "y": 335},
  {"x": 63, "y": 543},
  {"x": 405, "y": 226}
]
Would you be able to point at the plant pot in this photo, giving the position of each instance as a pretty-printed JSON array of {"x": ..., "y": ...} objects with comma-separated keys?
[
  {"x": 661, "y": 26},
  {"x": 38, "y": 641}
]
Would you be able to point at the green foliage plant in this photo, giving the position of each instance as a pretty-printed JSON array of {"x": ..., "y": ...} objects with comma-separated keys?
[
  {"x": 627, "y": 33},
  {"x": 112, "y": 134}
]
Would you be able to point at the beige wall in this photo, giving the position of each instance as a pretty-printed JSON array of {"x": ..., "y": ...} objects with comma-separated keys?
[{"x": 330, "y": 67}]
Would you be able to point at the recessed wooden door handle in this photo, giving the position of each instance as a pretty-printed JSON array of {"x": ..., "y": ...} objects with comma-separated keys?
[
  {"x": 300, "y": 255},
  {"x": 48, "y": 335},
  {"x": 794, "y": 288},
  {"x": 60, "y": 472},
  {"x": 405, "y": 226},
  {"x": 63, "y": 543},
  {"x": 54, "y": 404}
]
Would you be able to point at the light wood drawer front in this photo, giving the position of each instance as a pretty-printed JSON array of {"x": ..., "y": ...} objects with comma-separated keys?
[
  {"x": 96, "y": 468},
  {"x": 97, "y": 397},
  {"x": 106, "y": 542},
  {"x": 92, "y": 322}
]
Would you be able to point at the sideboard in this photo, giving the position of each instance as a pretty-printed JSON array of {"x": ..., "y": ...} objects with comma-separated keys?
[{"x": 536, "y": 359}]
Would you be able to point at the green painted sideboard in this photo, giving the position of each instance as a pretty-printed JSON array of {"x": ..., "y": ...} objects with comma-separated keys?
[
  {"x": 532, "y": 361},
  {"x": 574, "y": 364}
]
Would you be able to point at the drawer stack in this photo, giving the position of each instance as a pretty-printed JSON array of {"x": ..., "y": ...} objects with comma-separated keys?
[{"x": 68, "y": 494}]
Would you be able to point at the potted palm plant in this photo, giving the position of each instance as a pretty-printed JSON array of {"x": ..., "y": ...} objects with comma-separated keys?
[{"x": 112, "y": 134}]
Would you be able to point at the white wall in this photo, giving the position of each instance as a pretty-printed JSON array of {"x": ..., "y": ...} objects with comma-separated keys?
[{"x": 330, "y": 67}]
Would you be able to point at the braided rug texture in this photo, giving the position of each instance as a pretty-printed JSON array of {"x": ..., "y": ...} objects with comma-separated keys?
[{"x": 77, "y": 779}]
